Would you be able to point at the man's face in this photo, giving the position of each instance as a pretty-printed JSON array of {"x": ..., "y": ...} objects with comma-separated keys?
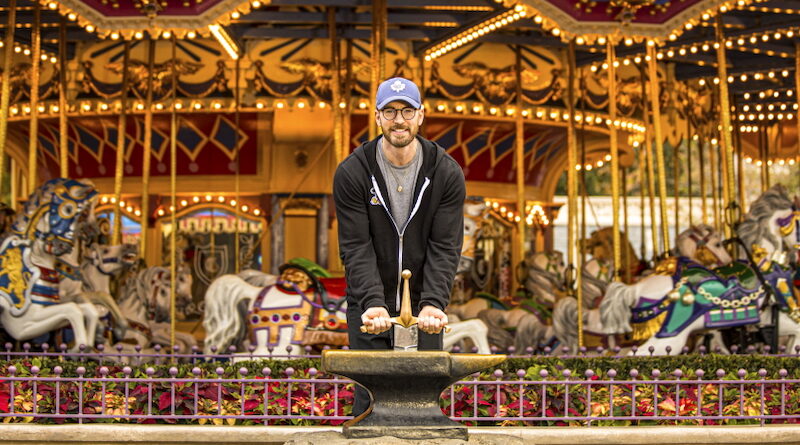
[{"x": 399, "y": 131}]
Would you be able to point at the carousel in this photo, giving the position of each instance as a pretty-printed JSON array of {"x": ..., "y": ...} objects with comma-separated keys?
[{"x": 166, "y": 174}]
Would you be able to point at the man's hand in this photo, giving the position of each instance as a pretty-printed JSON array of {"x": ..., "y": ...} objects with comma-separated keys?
[
  {"x": 431, "y": 320},
  {"x": 376, "y": 320}
]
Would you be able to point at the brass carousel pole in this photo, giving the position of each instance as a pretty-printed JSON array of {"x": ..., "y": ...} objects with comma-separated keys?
[
  {"x": 676, "y": 186},
  {"x": 659, "y": 148},
  {"x": 714, "y": 182},
  {"x": 173, "y": 176},
  {"x": 148, "y": 148},
  {"x": 740, "y": 169},
  {"x": 33, "y": 139},
  {"x": 626, "y": 254},
  {"x": 5, "y": 90},
  {"x": 702, "y": 160},
  {"x": 572, "y": 161},
  {"x": 612, "y": 130},
  {"x": 348, "y": 80},
  {"x": 519, "y": 152},
  {"x": 237, "y": 179},
  {"x": 689, "y": 167},
  {"x": 726, "y": 148},
  {"x": 335, "y": 87},
  {"x": 796, "y": 88},
  {"x": 650, "y": 172},
  {"x": 642, "y": 241},
  {"x": 584, "y": 193},
  {"x": 378, "y": 73},
  {"x": 120, "y": 159},
  {"x": 63, "y": 139}
]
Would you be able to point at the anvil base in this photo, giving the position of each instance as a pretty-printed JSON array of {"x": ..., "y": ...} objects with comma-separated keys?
[{"x": 405, "y": 388}]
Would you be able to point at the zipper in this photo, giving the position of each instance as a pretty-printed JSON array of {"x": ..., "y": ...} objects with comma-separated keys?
[{"x": 399, "y": 231}]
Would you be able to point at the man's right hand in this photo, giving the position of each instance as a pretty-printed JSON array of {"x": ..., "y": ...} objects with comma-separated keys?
[{"x": 376, "y": 320}]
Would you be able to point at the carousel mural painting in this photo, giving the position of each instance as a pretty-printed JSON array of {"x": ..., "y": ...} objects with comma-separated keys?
[{"x": 632, "y": 176}]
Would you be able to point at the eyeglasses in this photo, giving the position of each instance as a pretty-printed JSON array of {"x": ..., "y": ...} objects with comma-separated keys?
[{"x": 390, "y": 113}]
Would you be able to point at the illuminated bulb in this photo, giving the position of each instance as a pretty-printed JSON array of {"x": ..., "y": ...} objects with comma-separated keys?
[
  {"x": 72, "y": 16},
  {"x": 197, "y": 105},
  {"x": 89, "y": 28},
  {"x": 184, "y": 203},
  {"x": 217, "y": 105},
  {"x": 138, "y": 35},
  {"x": 166, "y": 34},
  {"x": 256, "y": 212},
  {"x": 245, "y": 208},
  {"x": 160, "y": 212},
  {"x": 178, "y": 106},
  {"x": 191, "y": 34},
  {"x": 221, "y": 199},
  {"x": 208, "y": 197},
  {"x": 459, "y": 108}
]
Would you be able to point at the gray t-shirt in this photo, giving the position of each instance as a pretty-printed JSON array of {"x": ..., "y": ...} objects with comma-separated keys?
[{"x": 400, "y": 182}]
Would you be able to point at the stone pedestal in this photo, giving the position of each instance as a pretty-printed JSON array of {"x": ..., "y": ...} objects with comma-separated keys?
[{"x": 405, "y": 388}]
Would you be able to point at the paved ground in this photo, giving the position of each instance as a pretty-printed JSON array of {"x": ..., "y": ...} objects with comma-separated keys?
[{"x": 107, "y": 434}]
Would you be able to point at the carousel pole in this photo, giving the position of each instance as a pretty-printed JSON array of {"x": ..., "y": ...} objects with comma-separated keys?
[
  {"x": 612, "y": 130},
  {"x": 148, "y": 148},
  {"x": 519, "y": 158},
  {"x": 702, "y": 160},
  {"x": 336, "y": 95},
  {"x": 659, "y": 140},
  {"x": 676, "y": 185},
  {"x": 728, "y": 194},
  {"x": 348, "y": 80},
  {"x": 714, "y": 182},
  {"x": 36, "y": 58},
  {"x": 584, "y": 193},
  {"x": 797, "y": 88},
  {"x": 765, "y": 161},
  {"x": 739, "y": 161},
  {"x": 173, "y": 176},
  {"x": 378, "y": 73},
  {"x": 572, "y": 161},
  {"x": 63, "y": 139},
  {"x": 688, "y": 167},
  {"x": 626, "y": 254},
  {"x": 642, "y": 240},
  {"x": 650, "y": 173},
  {"x": 5, "y": 90},
  {"x": 237, "y": 179},
  {"x": 120, "y": 160}
]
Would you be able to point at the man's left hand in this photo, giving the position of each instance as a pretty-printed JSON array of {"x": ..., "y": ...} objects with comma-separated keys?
[{"x": 431, "y": 320}]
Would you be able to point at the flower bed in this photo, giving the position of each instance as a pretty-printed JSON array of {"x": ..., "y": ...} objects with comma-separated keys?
[{"x": 535, "y": 391}]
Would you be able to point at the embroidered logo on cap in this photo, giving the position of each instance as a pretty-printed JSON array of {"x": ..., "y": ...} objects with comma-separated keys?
[{"x": 397, "y": 86}]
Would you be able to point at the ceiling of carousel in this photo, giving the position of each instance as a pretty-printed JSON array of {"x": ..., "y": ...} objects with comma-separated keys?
[{"x": 463, "y": 54}]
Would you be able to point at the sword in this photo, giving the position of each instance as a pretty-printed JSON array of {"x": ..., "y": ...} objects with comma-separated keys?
[{"x": 406, "y": 331}]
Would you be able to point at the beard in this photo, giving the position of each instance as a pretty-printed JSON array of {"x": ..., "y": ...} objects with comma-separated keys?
[{"x": 402, "y": 139}]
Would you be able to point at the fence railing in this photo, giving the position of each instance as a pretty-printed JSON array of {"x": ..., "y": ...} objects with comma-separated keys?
[{"x": 84, "y": 392}]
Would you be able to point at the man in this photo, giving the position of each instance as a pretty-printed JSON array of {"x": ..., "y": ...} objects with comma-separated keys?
[{"x": 400, "y": 205}]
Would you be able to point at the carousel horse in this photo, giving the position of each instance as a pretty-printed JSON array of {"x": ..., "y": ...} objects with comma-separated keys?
[
  {"x": 701, "y": 244},
  {"x": 302, "y": 307},
  {"x": 145, "y": 301},
  {"x": 91, "y": 281},
  {"x": 46, "y": 229},
  {"x": 529, "y": 317},
  {"x": 600, "y": 245},
  {"x": 682, "y": 297}
]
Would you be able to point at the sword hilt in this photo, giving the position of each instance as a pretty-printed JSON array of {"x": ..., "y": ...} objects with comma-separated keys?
[{"x": 406, "y": 319}]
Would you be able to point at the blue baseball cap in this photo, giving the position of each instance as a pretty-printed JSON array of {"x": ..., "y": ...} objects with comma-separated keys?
[{"x": 398, "y": 88}]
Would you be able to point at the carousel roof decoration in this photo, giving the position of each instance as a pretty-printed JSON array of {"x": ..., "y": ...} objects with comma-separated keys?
[{"x": 448, "y": 36}]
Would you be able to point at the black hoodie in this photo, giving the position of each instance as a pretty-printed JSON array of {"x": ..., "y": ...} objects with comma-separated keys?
[{"x": 370, "y": 244}]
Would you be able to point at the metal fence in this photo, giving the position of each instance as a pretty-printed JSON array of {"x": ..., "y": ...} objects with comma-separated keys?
[{"x": 94, "y": 387}]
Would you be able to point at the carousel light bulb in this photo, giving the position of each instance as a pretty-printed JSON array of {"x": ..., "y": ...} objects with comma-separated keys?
[
  {"x": 503, "y": 209},
  {"x": 113, "y": 200},
  {"x": 702, "y": 82},
  {"x": 198, "y": 105},
  {"x": 705, "y": 47},
  {"x": 588, "y": 167},
  {"x": 525, "y": 113},
  {"x": 208, "y": 197},
  {"x": 184, "y": 203},
  {"x": 601, "y": 41},
  {"x": 637, "y": 59},
  {"x": 138, "y": 35},
  {"x": 730, "y": 79},
  {"x": 129, "y": 209},
  {"x": 256, "y": 212},
  {"x": 89, "y": 28},
  {"x": 256, "y": 4},
  {"x": 789, "y": 93},
  {"x": 607, "y": 157},
  {"x": 218, "y": 105},
  {"x": 195, "y": 199},
  {"x": 748, "y": 159},
  {"x": 791, "y": 161},
  {"x": 781, "y": 162},
  {"x": 682, "y": 51},
  {"x": 137, "y": 212},
  {"x": 166, "y": 34},
  {"x": 72, "y": 16},
  {"x": 221, "y": 199},
  {"x": 191, "y": 34},
  {"x": 578, "y": 40},
  {"x": 743, "y": 77},
  {"x": 104, "y": 200},
  {"x": 160, "y": 212},
  {"x": 599, "y": 164},
  {"x": 171, "y": 208},
  {"x": 178, "y": 105},
  {"x": 245, "y": 208},
  {"x": 578, "y": 167},
  {"x": 53, "y": 59},
  {"x": 52, "y": 5},
  {"x": 27, "y": 52},
  {"x": 459, "y": 108}
]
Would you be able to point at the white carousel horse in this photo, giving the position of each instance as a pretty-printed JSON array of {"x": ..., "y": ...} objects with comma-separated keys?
[
  {"x": 91, "y": 282},
  {"x": 288, "y": 312},
  {"x": 46, "y": 229},
  {"x": 145, "y": 301},
  {"x": 700, "y": 243},
  {"x": 529, "y": 318},
  {"x": 682, "y": 297}
]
